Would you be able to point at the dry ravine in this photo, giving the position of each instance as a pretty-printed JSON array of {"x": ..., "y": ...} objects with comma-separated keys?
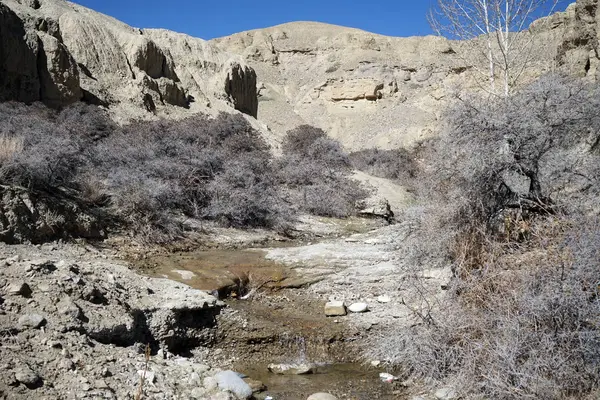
[{"x": 75, "y": 320}]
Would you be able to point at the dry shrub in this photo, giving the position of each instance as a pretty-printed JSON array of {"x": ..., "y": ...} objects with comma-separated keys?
[
  {"x": 398, "y": 164},
  {"x": 315, "y": 171},
  {"x": 524, "y": 325},
  {"x": 521, "y": 316}
]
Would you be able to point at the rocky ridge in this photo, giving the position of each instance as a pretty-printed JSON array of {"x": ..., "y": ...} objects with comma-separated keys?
[
  {"x": 59, "y": 52},
  {"x": 73, "y": 324},
  {"x": 369, "y": 90}
]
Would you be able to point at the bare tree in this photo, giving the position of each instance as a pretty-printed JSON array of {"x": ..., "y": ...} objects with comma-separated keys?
[{"x": 497, "y": 30}]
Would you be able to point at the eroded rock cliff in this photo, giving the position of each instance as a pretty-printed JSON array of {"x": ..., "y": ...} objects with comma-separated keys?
[{"x": 58, "y": 52}]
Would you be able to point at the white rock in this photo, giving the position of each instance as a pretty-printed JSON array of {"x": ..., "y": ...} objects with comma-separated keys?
[
  {"x": 335, "y": 308},
  {"x": 229, "y": 380},
  {"x": 384, "y": 299},
  {"x": 322, "y": 396},
  {"x": 32, "y": 321},
  {"x": 210, "y": 383},
  {"x": 19, "y": 288},
  {"x": 291, "y": 369},
  {"x": 358, "y": 307},
  {"x": 375, "y": 363},
  {"x": 385, "y": 377},
  {"x": 147, "y": 375}
]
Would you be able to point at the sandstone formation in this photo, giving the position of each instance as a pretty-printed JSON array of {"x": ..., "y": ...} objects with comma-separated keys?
[
  {"x": 368, "y": 90},
  {"x": 364, "y": 89},
  {"x": 58, "y": 52}
]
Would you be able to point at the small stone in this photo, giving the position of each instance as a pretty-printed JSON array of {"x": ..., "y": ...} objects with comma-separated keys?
[
  {"x": 65, "y": 353},
  {"x": 384, "y": 299},
  {"x": 13, "y": 259},
  {"x": 43, "y": 287},
  {"x": 322, "y": 396},
  {"x": 66, "y": 364},
  {"x": 101, "y": 384},
  {"x": 375, "y": 363},
  {"x": 446, "y": 393},
  {"x": 34, "y": 321},
  {"x": 160, "y": 354},
  {"x": 147, "y": 375},
  {"x": 67, "y": 307},
  {"x": 198, "y": 393},
  {"x": 335, "y": 308},
  {"x": 358, "y": 307},
  {"x": 19, "y": 288},
  {"x": 28, "y": 377},
  {"x": 210, "y": 383}
]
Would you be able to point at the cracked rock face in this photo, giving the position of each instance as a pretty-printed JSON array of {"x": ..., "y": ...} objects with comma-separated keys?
[{"x": 59, "y": 52}]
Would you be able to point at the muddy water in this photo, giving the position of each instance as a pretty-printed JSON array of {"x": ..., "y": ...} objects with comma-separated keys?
[
  {"x": 280, "y": 326},
  {"x": 345, "y": 381}
]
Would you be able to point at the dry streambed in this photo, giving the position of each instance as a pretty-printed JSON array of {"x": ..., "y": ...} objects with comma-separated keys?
[{"x": 74, "y": 321}]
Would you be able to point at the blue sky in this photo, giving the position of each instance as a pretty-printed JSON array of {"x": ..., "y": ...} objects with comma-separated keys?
[{"x": 208, "y": 19}]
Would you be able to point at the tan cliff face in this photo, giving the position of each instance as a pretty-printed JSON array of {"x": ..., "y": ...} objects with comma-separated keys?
[
  {"x": 364, "y": 89},
  {"x": 59, "y": 52}
]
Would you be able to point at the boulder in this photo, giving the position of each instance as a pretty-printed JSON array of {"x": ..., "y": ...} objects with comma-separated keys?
[
  {"x": 291, "y": 369},
  {"x": 335, "y": 309},
  {"x": 230, "y": 381},
  {"x": 376, "y": 207}
]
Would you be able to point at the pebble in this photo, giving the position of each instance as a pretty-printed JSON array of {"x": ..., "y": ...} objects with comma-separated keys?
[
  {"x": 384, "y": 299},
  {"x": 147, "y": 375},
  {"x": 66, "y": 364},
  {"x": 209, "y": 383},
  {"x": 28, "y": 377},
  {"x": 335, "y": 309},
  {"x": 375, "y": 363},
  {"x": 322, "y": 396},
  {"x": 358, "y": 307},
  {"x": 19, "y": 288},
  {"x": 67, "y": 307},
  {"x": 34, "y": 321}
]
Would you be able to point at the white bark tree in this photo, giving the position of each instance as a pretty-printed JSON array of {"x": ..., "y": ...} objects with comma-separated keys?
[{"x": 497, "y": 30}]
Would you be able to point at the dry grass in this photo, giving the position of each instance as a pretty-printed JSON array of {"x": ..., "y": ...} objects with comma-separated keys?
[{"x": 10, "y": 146}]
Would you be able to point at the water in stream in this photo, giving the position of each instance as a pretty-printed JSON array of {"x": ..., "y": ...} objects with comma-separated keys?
[{"x": 291, "y": 330}]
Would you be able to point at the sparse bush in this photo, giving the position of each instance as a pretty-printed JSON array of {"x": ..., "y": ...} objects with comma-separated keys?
[
  {"x": 48, "y": 155},
  {"x": 525, "y": 325},
  {"x": 511, "y": 183},
  {"x": 219, "y": 169},
  {"x": 395, "y": 164},
  {"x": 316, "y": 172}
]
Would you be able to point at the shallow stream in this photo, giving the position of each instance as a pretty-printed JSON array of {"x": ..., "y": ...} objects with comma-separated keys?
[{"x": 284, "y": 326}]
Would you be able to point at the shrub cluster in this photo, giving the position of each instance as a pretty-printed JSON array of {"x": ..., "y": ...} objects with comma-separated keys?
[
  {"x": 512, "y": 184},
  {"x": 151, "y": 176},
  {"x": 316, "y": 172},
  {"x": 398, "y": 164}
]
